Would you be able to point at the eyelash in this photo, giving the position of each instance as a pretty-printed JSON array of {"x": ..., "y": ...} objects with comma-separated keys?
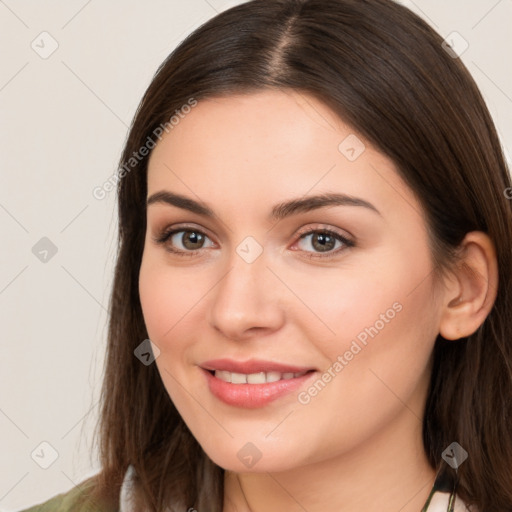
[{"x": 164, "y": 236}]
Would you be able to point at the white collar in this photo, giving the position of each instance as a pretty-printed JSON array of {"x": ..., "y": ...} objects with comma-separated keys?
[
  {"x": 440, "y": 500},
  {"x": 126, "y": 499}
]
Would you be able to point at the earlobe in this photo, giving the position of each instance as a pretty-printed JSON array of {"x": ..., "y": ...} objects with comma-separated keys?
[{"x": 471, "y": 293}]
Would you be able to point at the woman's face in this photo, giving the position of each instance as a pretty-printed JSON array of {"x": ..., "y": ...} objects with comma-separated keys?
[{"x": 335, "y": 330}]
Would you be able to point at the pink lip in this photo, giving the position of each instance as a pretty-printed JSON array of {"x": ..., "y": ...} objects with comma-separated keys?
[
  {"x": 251, "y": 366},
  {"x": 252, "y": 396}
]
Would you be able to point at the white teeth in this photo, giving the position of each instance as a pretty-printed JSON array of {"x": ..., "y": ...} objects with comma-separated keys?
[
  {"x": 273, "y": 376},
  {"x": 223, "y": 375},
  {"x": 255, "y": 378},
  {"x": 239, "y": 378}
]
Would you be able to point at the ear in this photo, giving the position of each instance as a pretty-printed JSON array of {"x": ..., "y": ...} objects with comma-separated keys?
[{"x": 470, "y": 294}]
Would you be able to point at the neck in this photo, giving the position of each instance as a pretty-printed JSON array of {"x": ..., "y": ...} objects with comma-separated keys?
[{"x": 388, "y": 471}]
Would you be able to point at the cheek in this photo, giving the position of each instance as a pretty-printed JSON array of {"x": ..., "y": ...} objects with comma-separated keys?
[
  {"x": 383, "y": 299},
  {"x": 166, "y": 302},
  {"x": 376, "y": 381},
  {"x": 385, "y": 325},
  {"x": 167, "y": 297},
  {"x": 156, "y": 300}
]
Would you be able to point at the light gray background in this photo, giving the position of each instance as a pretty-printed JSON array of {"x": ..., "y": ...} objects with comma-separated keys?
[{"x": 64, "y": 119}]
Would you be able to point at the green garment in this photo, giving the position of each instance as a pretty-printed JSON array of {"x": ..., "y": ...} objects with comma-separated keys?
[{"x": 68, "y": 502}]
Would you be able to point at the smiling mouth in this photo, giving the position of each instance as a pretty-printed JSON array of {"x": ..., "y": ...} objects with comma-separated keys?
[
  {"x": 255, "y": 378},
  {"x": 256, "y": 388}
]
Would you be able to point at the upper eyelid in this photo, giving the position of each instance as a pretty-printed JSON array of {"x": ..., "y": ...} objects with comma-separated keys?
[{"x": 310, "y": 226}]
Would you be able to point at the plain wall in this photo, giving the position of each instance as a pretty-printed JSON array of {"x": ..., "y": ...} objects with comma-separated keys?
[{"x": 64, "y": 118}]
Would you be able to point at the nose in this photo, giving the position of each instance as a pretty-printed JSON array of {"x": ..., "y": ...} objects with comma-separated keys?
[{"x": 248, "y": 300}]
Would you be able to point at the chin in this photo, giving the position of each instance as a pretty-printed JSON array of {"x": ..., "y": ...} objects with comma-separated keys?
[{"x": 246, "y": 457}]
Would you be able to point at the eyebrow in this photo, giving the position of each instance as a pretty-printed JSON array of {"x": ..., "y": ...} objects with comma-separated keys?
[{"x": 278, "y": 212}]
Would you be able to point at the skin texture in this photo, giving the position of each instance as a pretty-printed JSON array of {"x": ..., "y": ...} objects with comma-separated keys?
[{"x": 357, "y": 444}]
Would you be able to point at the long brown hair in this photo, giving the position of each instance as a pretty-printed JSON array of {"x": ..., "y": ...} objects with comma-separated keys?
[{"x": 384, "y": 71}]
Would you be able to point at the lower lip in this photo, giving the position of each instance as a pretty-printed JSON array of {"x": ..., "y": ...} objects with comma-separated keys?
[{"x": 252, "y": 396}]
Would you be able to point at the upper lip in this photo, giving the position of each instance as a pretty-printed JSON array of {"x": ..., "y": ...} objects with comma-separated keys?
[{"x": 251, "y": 366}]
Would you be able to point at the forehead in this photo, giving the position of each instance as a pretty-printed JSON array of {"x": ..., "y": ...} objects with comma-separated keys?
[
  {"x": 287, "y": 122},
  {"x": 268, "y": 146}
]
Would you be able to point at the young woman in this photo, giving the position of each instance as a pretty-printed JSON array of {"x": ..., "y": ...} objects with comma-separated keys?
[{"x": 312, "y": 298}]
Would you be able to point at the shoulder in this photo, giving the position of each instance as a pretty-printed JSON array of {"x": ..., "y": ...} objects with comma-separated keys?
[{"x": 78, "y": 499}]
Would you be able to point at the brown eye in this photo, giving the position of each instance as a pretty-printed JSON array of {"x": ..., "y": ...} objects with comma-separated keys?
[
  {"x": 191, "y": 241},
  {"x": 324, "y": 241}
]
